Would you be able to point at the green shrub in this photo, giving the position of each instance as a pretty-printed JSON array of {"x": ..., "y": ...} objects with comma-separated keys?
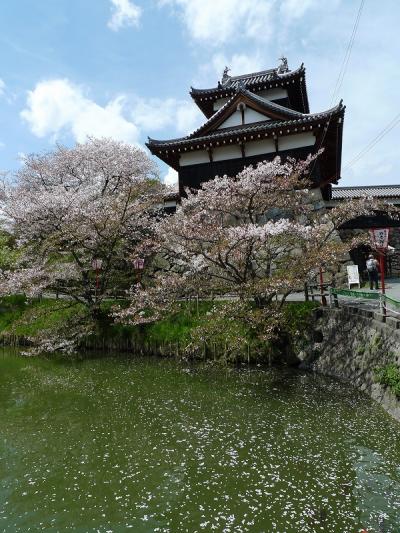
[
  {"x": 196, "y": 327},
  {"x": 389, "y": 376},
  {"x": 298, "y": 316},
  {"x": 27, "y": 318}
]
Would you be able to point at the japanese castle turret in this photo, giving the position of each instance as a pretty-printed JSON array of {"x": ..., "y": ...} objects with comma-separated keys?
[{"x": 252, "y": 118}]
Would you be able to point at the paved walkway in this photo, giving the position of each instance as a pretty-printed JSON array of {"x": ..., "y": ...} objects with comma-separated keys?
[{"x": 392, "y": 286}]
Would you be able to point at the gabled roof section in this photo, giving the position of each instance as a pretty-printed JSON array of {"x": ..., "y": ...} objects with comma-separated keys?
[
  {"x": 271, "y": 111},
  {"x": 209, "y": 131},
  {"x": 294, "y": 81}
]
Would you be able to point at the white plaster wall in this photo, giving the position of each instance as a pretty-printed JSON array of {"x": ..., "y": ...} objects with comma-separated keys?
[
  {"x": 251, "y": 116},
  {"x": 226, "y": 152},
  {"x": 296, "y": 141},
  {"x": 233, "y": 120},
  {"x": 194, "y": 158},
  {"x": 273, "y": 94},
  {"x": 265, "y": 146}
]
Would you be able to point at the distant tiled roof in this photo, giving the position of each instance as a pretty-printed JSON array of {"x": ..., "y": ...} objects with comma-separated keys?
[{"x": 376, "y": 191}]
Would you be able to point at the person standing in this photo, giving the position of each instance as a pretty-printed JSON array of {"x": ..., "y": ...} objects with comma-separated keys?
[{"x": 372, "y": 269}]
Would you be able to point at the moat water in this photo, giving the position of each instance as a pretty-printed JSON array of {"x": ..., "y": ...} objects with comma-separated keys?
[{"x": 115, "y": 444}]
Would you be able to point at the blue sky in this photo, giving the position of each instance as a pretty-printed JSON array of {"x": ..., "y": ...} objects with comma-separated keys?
[{"x": 123, "y": 68}]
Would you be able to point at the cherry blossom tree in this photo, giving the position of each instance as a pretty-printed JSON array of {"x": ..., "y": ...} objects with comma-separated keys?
[
  {"x": 78, "y": 215},
  {"x": 257, "y": 236}
]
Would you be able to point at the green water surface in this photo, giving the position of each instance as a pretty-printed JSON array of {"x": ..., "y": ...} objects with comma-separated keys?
[{"x": 142, "y": 445}]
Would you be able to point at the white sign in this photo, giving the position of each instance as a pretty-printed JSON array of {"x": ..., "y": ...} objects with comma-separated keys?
[
  {"x": 353, "y": 275},
  {"x": 379, "y": 238}
]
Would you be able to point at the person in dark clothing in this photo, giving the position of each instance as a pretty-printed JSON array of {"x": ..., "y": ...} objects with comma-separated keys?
[{"x": 372, "y": 269}]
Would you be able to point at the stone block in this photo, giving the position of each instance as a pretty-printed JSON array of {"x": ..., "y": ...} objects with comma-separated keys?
[
  {"x": 318, "y": 312},
  {"x": 393, "y": 322},
  {"x": 367, "y": 313},
  {"x": 379, "y": 317}
]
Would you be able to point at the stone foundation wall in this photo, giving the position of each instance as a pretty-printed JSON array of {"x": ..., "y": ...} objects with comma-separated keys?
[{"x": 349, "y": 344}]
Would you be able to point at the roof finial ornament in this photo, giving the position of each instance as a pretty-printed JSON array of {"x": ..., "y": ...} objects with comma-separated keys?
[
  {"x": 283, "y": 67},
  {"x": 225, "y": 76}
]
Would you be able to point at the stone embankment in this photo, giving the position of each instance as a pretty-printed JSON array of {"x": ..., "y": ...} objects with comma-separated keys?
[{"x": 349, "y": 343}]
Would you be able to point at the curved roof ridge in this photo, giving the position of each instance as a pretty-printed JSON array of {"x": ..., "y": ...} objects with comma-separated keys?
[
  {"x": 219, "y": 112},
  {"x": 331, "y": 110},
  {"x": 230, "y": 86},
  {"x": 273, "y": 105},
  {"x": 242, "y": 91},
  {"x": 251, "y": 74}
]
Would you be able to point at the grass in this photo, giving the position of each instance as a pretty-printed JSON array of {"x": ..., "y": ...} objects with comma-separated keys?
[
  {"x": 177, "y": 327},
  {"x": 389, "y": 376},
  {"x": 297, "y": 315},
  {"x": 174, "y": 329},
  {"x": 27, "y": 318},
  {"x": 22, "y": 318}
]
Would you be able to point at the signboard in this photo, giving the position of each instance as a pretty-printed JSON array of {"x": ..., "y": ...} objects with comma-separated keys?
[
  {"x": 379, "y": 238},
  {"x": 353, "y": 275},
  {"x": 138, "y": 264}
]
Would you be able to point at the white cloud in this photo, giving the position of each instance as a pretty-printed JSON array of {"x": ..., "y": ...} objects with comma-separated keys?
[
  {"x": 156, "y": 114},
  {"x": 2, "y": 87},
  {"x": 295, "y": 9},
  {"x": 56, "y": 107},
  {"x": 238, "y": 63},
  {"x": 171, "y": 177},
  {"x": 2, "y": 145},
  {"x": 218, "y": 21},
  {"x": 125, "y": 13}
]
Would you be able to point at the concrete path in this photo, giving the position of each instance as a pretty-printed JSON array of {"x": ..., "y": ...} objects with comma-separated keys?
[{"x": 392, "y": 286}]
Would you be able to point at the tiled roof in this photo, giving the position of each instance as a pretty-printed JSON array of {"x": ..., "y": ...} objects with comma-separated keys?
[
  {"x": 299, "y": 119},
  {"x": 267, "y": 105},
  {"x": 376, "y": 191},
  {"x": 273, "y": 106},
  {"x": 249, "y": 80}
]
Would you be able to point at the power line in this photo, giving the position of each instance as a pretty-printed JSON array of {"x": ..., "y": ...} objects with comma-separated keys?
[
  {"x": 392, "y": 124},
  {"x": 347, "y": 54},
  {"x": 341, "y": 74}
]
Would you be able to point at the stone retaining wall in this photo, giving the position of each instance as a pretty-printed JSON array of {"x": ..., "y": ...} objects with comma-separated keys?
[{"x": 349, "y": 343}]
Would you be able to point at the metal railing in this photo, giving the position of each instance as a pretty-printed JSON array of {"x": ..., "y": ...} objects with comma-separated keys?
[{"x": 387, "y": 304}]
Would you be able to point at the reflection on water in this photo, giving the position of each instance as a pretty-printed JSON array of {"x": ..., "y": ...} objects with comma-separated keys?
[
  {"x": 112, "y": 444},
  {"x": 376, "y": 490}
]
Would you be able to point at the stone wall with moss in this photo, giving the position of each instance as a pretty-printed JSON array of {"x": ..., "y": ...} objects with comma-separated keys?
[{"x": 354, "y": 345}]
